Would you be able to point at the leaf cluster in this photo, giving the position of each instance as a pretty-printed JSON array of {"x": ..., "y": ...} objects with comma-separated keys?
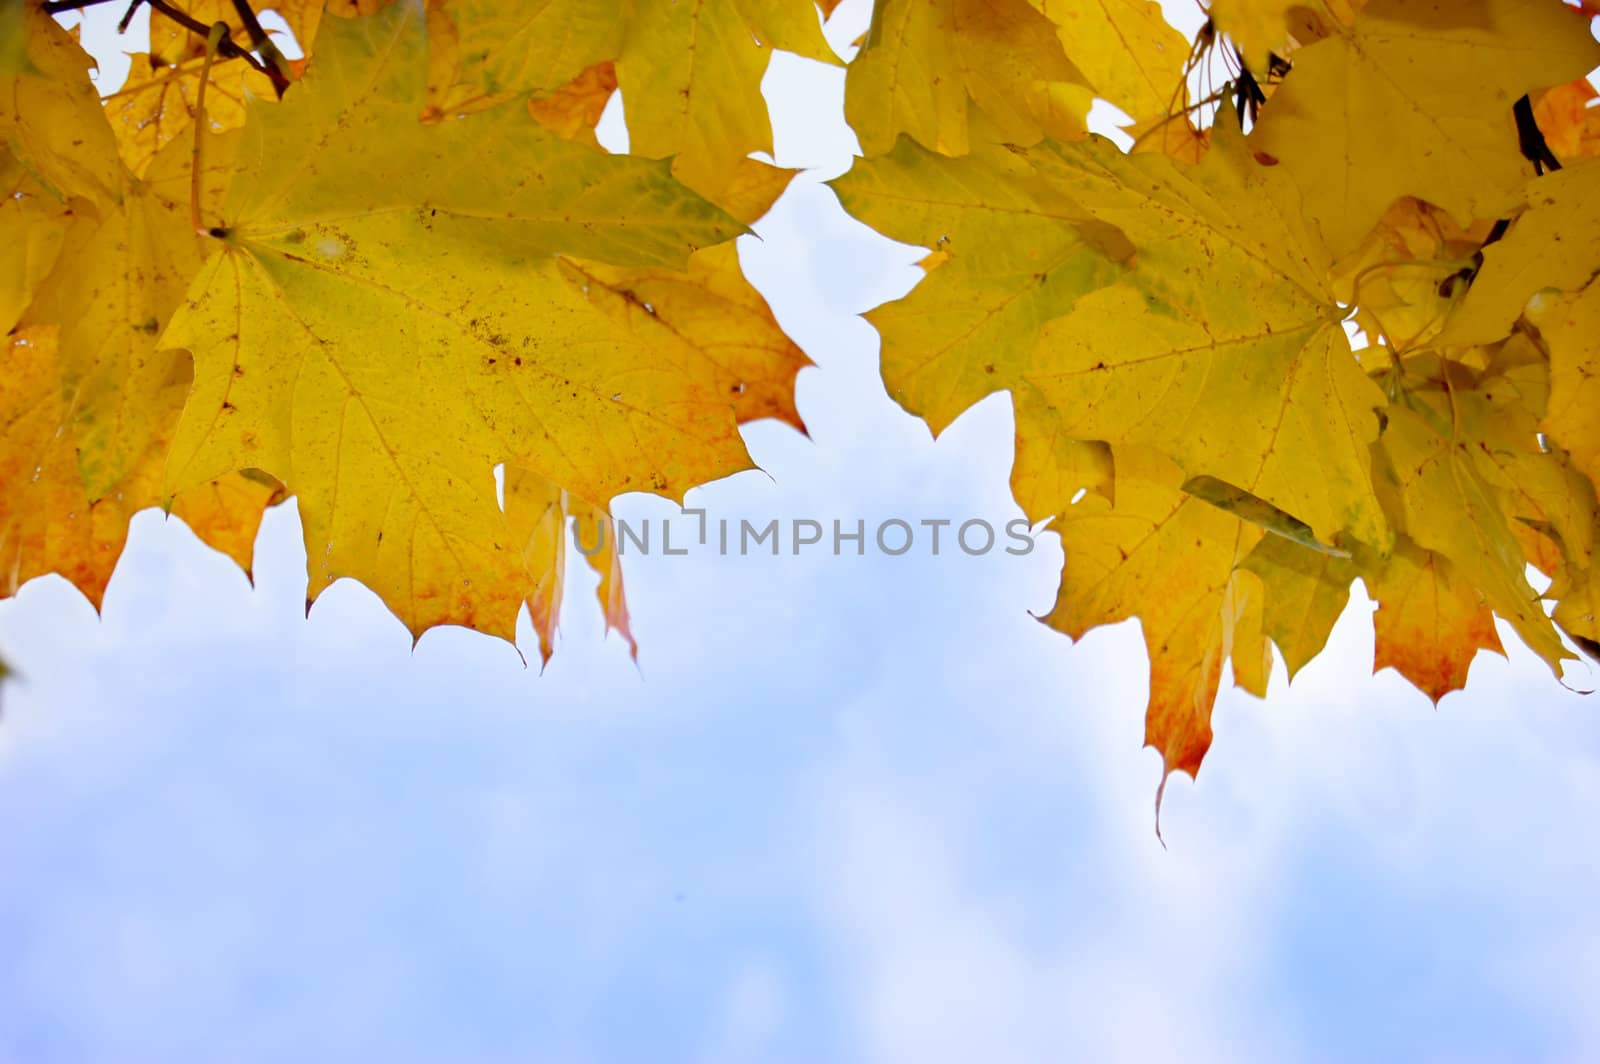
[{"x": 1330, "y": 315}]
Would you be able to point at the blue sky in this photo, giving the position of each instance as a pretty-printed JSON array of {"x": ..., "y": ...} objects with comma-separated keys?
[{"x": 848, "y": 809}]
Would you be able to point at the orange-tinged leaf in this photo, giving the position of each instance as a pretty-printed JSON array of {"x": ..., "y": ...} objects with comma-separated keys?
[
  {"x": 226, "y": 513},
  {"x": 1447, "y": 507},
  {"x": 573, "y": 110},
  {"x": 1569, "y": 119},
  {"x": 539, "y": 514},
  {"x": 1430, "y": 622},
  {"x": 48, "y": 522},
  {"x": 1170, "y": 560}
]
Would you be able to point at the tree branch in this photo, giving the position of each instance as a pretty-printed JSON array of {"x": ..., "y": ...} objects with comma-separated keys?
[{"x": 229, "y": 48}]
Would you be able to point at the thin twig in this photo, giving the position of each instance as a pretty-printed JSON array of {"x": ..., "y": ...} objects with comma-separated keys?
[
  {"x": 1530, "y": 138},
  {"x": 1215, "y": 97},
  {"x": 127, "y": 18},
  {"x": 55, "y": 7},
  {"x": 228, "y": 48}
]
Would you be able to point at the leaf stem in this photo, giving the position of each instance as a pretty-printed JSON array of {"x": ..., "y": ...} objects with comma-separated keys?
[
  {"x": 214, "y": 39},
  {"x": 1215, "y": 97}
]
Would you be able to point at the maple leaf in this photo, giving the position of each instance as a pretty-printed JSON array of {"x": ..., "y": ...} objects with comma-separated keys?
[
  {"x": 1403, "y": 277},
  {"x": 156, "y": 104},
  {"x": 1569, "y": 326},
  {"x": 37, "y": 223},
  {"x": 1009, "y": 257},
  {"x": 1446, "y": 505},
  {"x": 1221, "y": 345},
  {"x": 51, "y": 116},
  {"x": 1259, "y": 27},
  {"x": 339, "y": 322},
  {"x": 88, "y": 399},
  {"x": 1126, "y": 51},
  {"x": 1304, "y": 592},
  {"x": 1172, "y": 561},
  {"x": 1430, "y": 622},
  {"x": 931, "y": 70},
  {"x": 690, "y": 74},
  {"x": 1553, "y": 243},
  {"x": 1414, "y": 98}
]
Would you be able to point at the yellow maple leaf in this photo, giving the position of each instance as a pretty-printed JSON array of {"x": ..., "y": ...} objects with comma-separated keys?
[
  {"x": 1126, "y": 51},
  {"x": 1304, "y": 593},
  {"x": 1011, "y": 257},
  {"x": 930, "y": 69},
  {"x": 691, "y": 78},
  {"x": 1221, "y": 345},
  {"x": 156, "y": 104},
  {"x": 534, "y": 47},
  {"x": 52, "y": 117},
  {"x": 339, "y": 323},
  {"x": 690, "y": 73},
  {"x": 1569, "y": 326},
  {"x": 1405, "y": 278},
  {"x": 1554, "y": 243},
  {"x": 1258, "y": 27},
  {"x": 35, "y": 222},
  {"x": 1414, "y": 99}
]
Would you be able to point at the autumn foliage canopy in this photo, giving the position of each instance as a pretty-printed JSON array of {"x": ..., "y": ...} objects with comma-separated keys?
[{"x": 1332, "y": 315}]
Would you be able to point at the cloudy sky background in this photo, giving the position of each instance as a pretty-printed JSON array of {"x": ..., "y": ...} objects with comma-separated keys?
[{"x": 852, "y": 809}]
